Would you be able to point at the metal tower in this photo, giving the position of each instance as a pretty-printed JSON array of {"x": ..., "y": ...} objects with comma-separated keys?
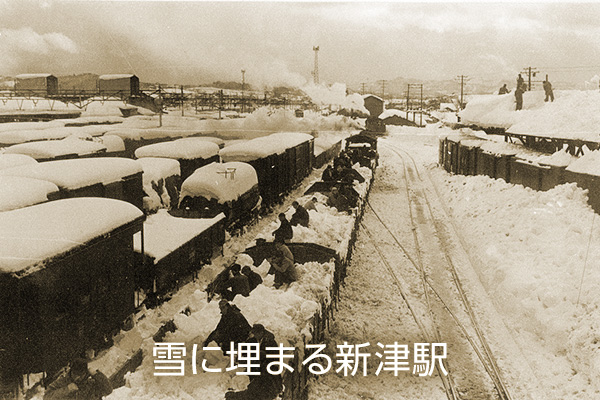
[{"x": 316, "y": 70}]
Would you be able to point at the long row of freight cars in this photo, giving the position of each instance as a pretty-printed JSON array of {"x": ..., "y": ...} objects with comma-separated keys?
[
  {"x": 69, "y": 273},
  {"x": 472, "y": 156}
]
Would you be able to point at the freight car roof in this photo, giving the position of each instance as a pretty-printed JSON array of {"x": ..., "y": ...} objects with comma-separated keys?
[
  {"x": 56, "y": 148},
  {"x": 180, "y": 149},
  {"x": 135, "y": 133},
  {"x": 29, "y": 236},
  {"x": 19, "y": 192},
  {"x": 223, "y": 182},
  {"x": 78, "y": 173},
  {"x": 156, "y": 168},
  {"x": 30, "y": 135},
  {"x": 164, "y": 233},
  {"x": 263, "y": 146},
  {"x": 14, "y": 160},
  {"x": 220, "y": 142}
]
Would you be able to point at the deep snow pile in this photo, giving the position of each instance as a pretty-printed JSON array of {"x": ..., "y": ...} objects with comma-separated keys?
[
  {"x": 540, "y": 264},
  {"x": 223, "y": 182},
  {"x": 156, "y": 171},
  {"x": 18, "y": 192},
  {"x": 553, "y": 119}
]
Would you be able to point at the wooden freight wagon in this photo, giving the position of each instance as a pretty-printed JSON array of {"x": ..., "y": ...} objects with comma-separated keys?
[
  {"x": 19, "y": 192},
  {"x": 229, "y": 188},
  {"x": 192, "y": 153},
  {"x": 172, "y": 249},
  {"x": 41, "y": 85},
  {"x": 115, "y": 178},
  {"x": 119, "y": 85},
  {"x": 66, "y": 280},
  {"x": 281, "y": 160},
  {"x": 162, "y": 183}
]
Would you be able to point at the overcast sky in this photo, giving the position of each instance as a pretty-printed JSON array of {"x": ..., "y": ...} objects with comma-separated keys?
[{"x": 199, "y": 42}]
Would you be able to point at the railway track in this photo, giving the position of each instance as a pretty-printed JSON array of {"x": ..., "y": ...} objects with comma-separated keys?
[{"x": 447, "y": 311}]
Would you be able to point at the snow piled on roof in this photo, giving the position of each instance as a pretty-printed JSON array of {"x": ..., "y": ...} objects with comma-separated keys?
[
  {"x": 29, "y": 126},
  {"x": 32, "y": 76},
  {"x": 164, "y": 233},
  {"x": 34, "y": 234},
  {"x": 220, "y": 142},
  {"x": 14, "y": 160},
  {"x": 115, "y": 76},
  {"x": 263, "y": 146},
  {"x": 552, "y": 119},
  {"x": 19, "y": 192},
  {"x": 587, "y": 164},
  {"x": 392, "y": 112},
  {"x": 180, "y": 149},
  {"x": 55, "y": 148},
  {"x": 223, "y": 182},
  {"x": 78, "y": 173},
  {"x": 22, "y": 136},
  {"x": 156, "y": 172}
]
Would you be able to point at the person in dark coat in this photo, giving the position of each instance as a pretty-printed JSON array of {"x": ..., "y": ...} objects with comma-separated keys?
[
  {"x": 300, "y": 217},
  {"x": 238, "y": 283},
  {"x": 79, "y": 384},
  {"x": 548, "y": 90},
  {"x": 233, "y": 327},
  {"x": 519, "y": 97},
  {"x": 327, "y": 174},
  {"x": 254, "y": 279},
  {"x": 520, "y": 83},
  {"x": 311, "y": 204},
  {"x": 265, "y": 386},
  {"x": 284, "y": 233},
  {"x": 338, "y": 200},
  {"x": 283, "y": 264},
  {"x": 504, "y": 90}
]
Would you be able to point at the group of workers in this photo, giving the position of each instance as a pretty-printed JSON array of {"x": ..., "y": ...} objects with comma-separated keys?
[{"x": 522, "y": 88}]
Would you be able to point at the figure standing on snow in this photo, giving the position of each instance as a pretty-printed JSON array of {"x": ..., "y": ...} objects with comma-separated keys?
[
  {"x": 521, "y": 83},
  {"x": 548, "y": 90},
  {"x": 504, "y": 90},
  {"x": 283, "y": 264},
  {"x": 519, "y": 97}
]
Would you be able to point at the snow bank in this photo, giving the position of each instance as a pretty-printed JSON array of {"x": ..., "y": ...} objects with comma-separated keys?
[
  {"x": 551, "y": 119},
  {"x": 223, "y": 182},
  {"x": 261, "y": 147},
  {"x": 181, "y": 150},
  {"x": 18, "y": 192},
  {"x": 533, "y": 248},
  {"x": 77, "y": 173},
  {"x": 156, "y": 172},
  {"x": 31, "y": 235},
  {"x": 587, "y": 164}
]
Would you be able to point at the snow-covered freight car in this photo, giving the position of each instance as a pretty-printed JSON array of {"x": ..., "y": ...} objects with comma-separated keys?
[
  {"x": 117, "y": 178},
  {"x": 192, "y": 153},
  {"x": 230, "y": 188},
  {"x": 66, "y": 281},
  {"x": 281, "y": 160}
]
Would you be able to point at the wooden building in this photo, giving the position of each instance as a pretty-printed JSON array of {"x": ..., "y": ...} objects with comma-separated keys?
[
  {"x": 119, "y": 85},
  {"x": 36, "y": 84}
]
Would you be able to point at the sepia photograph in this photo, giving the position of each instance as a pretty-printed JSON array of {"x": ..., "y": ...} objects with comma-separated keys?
[{"x": 299, "y": 200}]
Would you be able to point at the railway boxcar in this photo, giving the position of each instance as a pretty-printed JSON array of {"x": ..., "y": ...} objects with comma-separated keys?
[
  {"x": 281, "y": 160},
  {"x": 229, "y": 188},
  {"x": 192, "y": 153},
  {"x": 162, "y": 182},
  {"x": 119, "y": 85},
  {"x": 117, "y": 178},
  {"x": 66, "y": 280},
  {"x": 172, "y": 249},
  {"x": 37, "y": 84}
]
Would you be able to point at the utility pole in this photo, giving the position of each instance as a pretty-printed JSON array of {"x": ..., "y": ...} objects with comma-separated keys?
[
  {"x": 160, "y": 105},
  {"x": 530, "y": 71},
  {"x": 316, "y": 70},
  {"x": 462, "y": 78},
  {"x": 182, "y": 100},
  {"x": 363, "y": 88},
  {"x": 243, "y": 87},
  {"x": 383, "y": 81}
]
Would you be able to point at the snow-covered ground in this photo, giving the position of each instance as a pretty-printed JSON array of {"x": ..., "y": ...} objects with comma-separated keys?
[{"x": 535, "y": 254}]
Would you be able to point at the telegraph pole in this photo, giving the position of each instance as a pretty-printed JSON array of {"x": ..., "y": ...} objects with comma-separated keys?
[
  {"x": 243, "y": 87},
  {"x": 383, "y": 81},
  {"x": 316, "y": 70},
  {"x": 530, "y": 71},
  {"x": 462, "y": 85},
  {"x": 363, "y": 88}
]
